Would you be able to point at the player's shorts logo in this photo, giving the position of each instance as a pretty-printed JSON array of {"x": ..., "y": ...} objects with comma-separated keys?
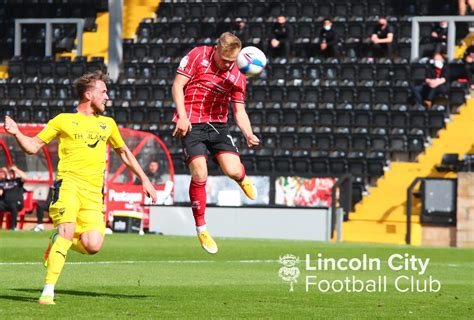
[{"x": 289, "y": 272}]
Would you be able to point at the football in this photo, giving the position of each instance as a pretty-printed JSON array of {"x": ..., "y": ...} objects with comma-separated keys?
[{"x": 251, "y": 61}]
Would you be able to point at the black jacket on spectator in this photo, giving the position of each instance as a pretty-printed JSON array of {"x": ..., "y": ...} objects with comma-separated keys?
[
  {"x": 423, "y": 92},
  {"x": 435, "y": 73},
  {"x": 328, "y": 36},
  {"x": 284, "y": 34},
  {"x": 442, "y": 33},
  {"x": 382, "y": 33},
  {"x": 12, "y": 198},
  {"x": 381, "y": 49}
]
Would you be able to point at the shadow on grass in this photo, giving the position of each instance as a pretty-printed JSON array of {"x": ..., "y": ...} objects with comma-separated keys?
[
  {"x": 18, "y": 298},
  {"x": 77, "y": 293}
]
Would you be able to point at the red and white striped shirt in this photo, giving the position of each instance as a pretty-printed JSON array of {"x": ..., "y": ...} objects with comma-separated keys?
[{"x": 209, "y": 89}]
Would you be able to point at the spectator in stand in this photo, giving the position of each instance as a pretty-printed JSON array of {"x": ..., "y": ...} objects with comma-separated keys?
[
  {"x": 381, "y": 40},
  {"x": 11, "y": 192},
  {"x": 240, "y": 30},
  {"x": 153, "y": 173},
  {"x": 437, "y": 41},
  {"x": 439, "y": 37},
  {"x": 328, "y": 40},
  {"x": 469, "y": 60},
  {"x": 281, "y": 38},
  {"x": 435, "y": 83}
]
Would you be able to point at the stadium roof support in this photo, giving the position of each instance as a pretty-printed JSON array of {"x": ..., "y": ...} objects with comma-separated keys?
[
  {"x": 49, "y": 33},
  {"x": 115, "y": 38},
  {"x": 415, "y": 32}
]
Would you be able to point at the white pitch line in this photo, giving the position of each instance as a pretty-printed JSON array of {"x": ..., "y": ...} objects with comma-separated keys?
[
  {"x": 139, "y": 262},
  {"x": 452, "y": 265}
]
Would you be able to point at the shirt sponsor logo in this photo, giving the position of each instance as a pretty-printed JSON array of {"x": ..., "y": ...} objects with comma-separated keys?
[
  {"x": 93, "y": 145},
  {"x": 205, "y": 62}
]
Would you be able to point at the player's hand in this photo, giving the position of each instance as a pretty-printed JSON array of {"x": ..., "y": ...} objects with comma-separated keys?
[
  {"x": 10, "y": 126},
  {"x": 149, "y": 191},
  {"x": 183, "y": 126},
  {"x": 253, "y": 141}
]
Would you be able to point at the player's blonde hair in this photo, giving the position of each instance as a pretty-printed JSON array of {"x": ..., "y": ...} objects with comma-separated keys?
[
  {"x": 87, "y": 81},
  {"x": 229, "y": 45}
]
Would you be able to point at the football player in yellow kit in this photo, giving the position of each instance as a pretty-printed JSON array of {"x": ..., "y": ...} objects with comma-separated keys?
[{"x": 77, "y": 207}]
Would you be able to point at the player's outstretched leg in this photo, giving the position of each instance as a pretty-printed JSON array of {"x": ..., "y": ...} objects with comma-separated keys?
[
  {"x": 247, "y": 186},
  {"x": 52, "y": 239},
  {"x": 55, "y": 259},
  {"x": 197, "y": 195},
  {"x": 234, "y": 169}
]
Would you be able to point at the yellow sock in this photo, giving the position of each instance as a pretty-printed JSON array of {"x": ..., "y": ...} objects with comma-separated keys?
[
  {"x": 78, "y": 246},
  {"x": 56, "y": 259}
]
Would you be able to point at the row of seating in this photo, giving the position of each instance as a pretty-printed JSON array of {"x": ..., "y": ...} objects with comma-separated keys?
[
  {"x": 355, "y": 71},
  {"x": 347, "y": 32},
  {"x": 317, "y": 163},
  {"x": 33, "y": 36},
  {"x": 329, "y": 142},
  {"x": 338, "y": 8},
  {"x": 322, "y": 97},
  {"x": 48, "y": 67},
  {"x": 174, "y": 47}
]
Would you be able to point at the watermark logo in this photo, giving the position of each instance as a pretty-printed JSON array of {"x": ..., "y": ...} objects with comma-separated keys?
[
  {"x": 289, "y": 272},
  {"x": 400, "y": 272}
]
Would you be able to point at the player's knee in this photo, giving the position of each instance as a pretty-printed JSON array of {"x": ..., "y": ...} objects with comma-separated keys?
[
  {"x": 199, "y": 175},
  {"x": 66, "y": 230},
  {"x": 93, "y": 248},
  {"x": 235, "y": 174}
]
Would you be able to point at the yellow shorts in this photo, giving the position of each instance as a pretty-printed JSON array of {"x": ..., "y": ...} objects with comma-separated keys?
[{"x": 72, "y": 202}]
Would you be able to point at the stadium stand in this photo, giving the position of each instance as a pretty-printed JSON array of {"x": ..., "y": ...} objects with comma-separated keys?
[
  {"x": 33, "y": 36},
  {"x": 316, "y": 117}
]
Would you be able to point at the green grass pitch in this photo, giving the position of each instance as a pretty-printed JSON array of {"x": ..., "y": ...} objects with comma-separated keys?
[{"x": 172, "y": 277}]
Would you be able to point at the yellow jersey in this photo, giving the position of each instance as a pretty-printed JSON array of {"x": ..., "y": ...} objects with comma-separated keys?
[{"x": 82, "y": 145}]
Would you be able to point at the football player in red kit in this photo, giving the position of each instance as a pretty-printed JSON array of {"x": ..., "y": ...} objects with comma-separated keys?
[{"x": 207, "y": 79}]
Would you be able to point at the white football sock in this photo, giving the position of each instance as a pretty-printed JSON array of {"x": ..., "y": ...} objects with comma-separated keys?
[
  {"x": 48, "y": 290},
  {"x": 201, "y": 228}
]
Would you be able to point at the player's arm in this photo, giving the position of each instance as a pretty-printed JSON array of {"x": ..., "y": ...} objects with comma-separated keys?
[
  {"x": 243, "y": 122},
  {"x": 30, "y": 145},
  {"x": 131, "y": 162},
  {"x": 183, "y": 125}
]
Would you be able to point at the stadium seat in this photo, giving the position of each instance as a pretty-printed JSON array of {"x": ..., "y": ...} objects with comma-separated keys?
[
  {"x": 323, "y": 141},
  {"x": 375, "y": 164},
  {"x": 337, "y": 163},
  {"x": 319, "y": 163},
  {"x": 264, "y": 160},
  {"x": 283, "y": 161},
  {"x": 357, "y": 164}
]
